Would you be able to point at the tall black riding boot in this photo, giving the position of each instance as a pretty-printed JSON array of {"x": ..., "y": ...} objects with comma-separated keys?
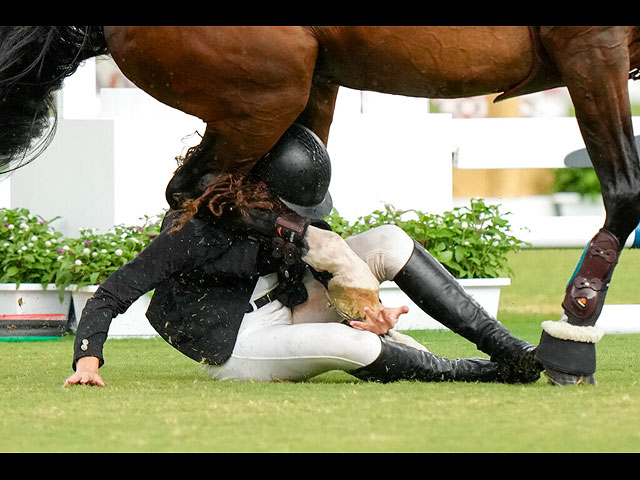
[
  {"x": 427, "y": 283},
  {"x": 402, "y": 362}
]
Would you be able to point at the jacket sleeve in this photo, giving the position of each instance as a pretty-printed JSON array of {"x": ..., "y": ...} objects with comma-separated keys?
[{"x": 167, "y": 255}]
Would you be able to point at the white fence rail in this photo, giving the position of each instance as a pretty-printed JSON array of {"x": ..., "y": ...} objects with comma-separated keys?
[{"x": 490, "y": 143}]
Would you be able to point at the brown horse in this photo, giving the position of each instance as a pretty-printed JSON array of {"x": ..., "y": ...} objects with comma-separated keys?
[{"x": 249, "y": 84}]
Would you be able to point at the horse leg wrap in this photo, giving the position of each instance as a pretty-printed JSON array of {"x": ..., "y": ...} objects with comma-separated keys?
[
  {"x": 567, "y": 348},
  {"x": 584, "y": 296},
  {"x": 568, "y": 352}
]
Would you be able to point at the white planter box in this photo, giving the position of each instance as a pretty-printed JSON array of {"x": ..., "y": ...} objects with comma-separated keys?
[
  {"x": 30, "y": 311},
  {"x": 132, "y": 323},
  {"x": 486, "y": 292},
  {"x": 31, "y": 298}
]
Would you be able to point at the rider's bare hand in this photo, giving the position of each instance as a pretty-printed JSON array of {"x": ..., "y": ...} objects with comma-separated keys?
[
  {"x": 86, "y": 373},
  {"x": 379, "y": 322}
]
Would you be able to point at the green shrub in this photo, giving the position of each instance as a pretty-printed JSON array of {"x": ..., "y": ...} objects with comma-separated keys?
[
  {"x": 29, "y": 247},
  {"x": 579, "y": 180},
  {"x": 471, "y": 242},
  {"x": 32, "y": 251}
]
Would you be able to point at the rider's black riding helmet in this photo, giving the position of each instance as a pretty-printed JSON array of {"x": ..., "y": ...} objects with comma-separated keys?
[{"x": 298, "y": 170}]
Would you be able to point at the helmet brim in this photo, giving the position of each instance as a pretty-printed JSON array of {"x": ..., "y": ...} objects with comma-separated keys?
[{"x": 313, "y": 212}]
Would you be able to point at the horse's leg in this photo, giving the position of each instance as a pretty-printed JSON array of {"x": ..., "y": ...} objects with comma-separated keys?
[
  {"x": 242, "y": 128},
  {"x": 594, "y": 63},
  {"x": 320, "y": 108},
  {"x": 353, "y": 285},
  {"x": 194, "y": 176}
]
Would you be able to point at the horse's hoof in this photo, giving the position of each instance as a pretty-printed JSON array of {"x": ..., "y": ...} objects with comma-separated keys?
[{"x": 563, "y": 379}]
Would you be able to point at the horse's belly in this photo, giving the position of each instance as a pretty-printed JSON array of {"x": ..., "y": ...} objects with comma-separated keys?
[
  {"x": 436, "y": 62},
  {"x": 217, "y": 72}
]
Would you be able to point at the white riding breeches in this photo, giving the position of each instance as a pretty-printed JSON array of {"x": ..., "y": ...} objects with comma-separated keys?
[{"x": 275, "y": 343}]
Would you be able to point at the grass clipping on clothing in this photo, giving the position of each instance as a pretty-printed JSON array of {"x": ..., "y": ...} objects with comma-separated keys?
[{"x": 157, "y": 400}]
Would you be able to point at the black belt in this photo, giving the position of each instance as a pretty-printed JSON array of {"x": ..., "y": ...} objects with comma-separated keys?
[{"x": 262, "y": 301}]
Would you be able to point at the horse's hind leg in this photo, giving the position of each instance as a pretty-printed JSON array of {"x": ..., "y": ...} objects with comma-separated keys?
[
  {"x": 595, "y": 66},
  {"x": 318, "y": 114}
]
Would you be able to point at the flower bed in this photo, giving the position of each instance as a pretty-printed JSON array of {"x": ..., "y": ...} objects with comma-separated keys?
[
  {"x": 40, "y": 268},
  {"x": 29, "y": 245}
]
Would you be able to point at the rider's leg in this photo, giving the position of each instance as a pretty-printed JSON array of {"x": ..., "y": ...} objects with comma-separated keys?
[
  {"x": 418, "y": 274},
  {"x": 270, "y": 347},
  {"x": 274, "y": 344}
]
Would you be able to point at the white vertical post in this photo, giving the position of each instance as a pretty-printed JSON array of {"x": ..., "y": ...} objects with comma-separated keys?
[{"x": 78, "y": 99}]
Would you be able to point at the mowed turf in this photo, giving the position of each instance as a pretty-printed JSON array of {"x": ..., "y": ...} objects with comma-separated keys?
[{"x": 157, "y": 400}]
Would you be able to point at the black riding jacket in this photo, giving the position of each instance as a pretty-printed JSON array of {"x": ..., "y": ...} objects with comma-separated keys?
[{"x": 203, "y": 276}]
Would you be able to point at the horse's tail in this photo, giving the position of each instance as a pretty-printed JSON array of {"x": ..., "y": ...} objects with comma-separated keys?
[{"x": 34, "y": 61}]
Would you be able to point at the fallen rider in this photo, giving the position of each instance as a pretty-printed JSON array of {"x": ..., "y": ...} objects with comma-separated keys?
[{"x": 259, "y": 288}]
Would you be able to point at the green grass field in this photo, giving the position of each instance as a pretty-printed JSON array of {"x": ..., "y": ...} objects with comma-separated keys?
[{"x": 159, "y": 401}]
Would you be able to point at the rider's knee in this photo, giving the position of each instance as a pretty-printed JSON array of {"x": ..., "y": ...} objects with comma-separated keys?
[{"x": 386, "y": 249}]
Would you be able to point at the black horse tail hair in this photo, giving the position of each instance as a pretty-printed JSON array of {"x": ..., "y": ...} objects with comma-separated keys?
[{"x": 34, "y": 61}]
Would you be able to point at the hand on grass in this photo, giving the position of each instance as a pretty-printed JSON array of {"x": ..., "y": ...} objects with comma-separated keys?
[
  {"x": 379, "y": 322},
  {"x": 86, "y": 373}
]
